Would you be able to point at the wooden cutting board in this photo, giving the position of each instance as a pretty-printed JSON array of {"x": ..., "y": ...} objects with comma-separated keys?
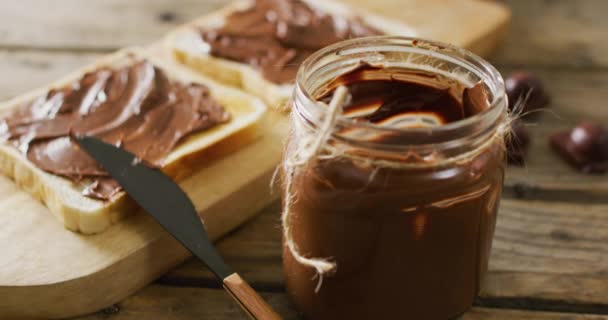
[{"x": 49, "y": 272}]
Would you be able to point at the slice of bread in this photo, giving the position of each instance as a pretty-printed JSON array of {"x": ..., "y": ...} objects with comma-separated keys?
[
  {"x": 189, "y": 48},
  {"x": 89, "y": 216}
]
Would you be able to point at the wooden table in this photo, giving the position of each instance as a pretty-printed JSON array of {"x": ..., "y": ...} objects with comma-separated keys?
[{"x": 550, "y": 255}]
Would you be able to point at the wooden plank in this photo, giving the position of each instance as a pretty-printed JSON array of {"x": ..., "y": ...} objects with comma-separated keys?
[
  {"x": 543, "y": 251},
  {"x": 557, "y": 33},
  {"x": 551, "y": 237},
  {"x": 94, "y": 25},
  {"x": 545, "y": 291},
  {"x": 477, "y": 24},
  {"x": 172, "y": 303},
  {"x": 494, "y": 314}
]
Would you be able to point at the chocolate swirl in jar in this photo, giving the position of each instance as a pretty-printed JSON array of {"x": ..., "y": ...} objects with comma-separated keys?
[
  {"x": 276, "y": 36},
  {"x": 403, "y": 199},
  {"x": 136, "y": 107},
  {"x": 398, "y": 98}
]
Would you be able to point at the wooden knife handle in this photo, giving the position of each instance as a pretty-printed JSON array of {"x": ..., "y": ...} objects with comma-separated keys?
[{"x": 249, "y": 300}]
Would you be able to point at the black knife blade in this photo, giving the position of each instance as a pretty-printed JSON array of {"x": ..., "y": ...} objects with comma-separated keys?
[{"x": 159, "y": 196}]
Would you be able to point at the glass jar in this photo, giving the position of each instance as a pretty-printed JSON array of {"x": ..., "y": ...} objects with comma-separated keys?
[{"x": 407, "y": 221}]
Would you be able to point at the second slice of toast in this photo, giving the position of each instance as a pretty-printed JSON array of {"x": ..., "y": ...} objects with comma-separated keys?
[{"x": 189, "y": 47}]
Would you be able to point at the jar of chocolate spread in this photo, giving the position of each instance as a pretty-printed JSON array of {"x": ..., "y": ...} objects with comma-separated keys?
[{"x": 390, "y": 208}]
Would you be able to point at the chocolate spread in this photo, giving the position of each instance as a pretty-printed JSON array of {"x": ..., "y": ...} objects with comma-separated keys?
[
  {"x": 387, "y": 96},
  {"x": 135, "y": 107},
  {"x": 409, "y": 242},
  {"x": 276, "y": 36}
]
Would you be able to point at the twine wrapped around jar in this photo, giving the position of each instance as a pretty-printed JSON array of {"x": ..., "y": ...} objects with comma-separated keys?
[{"x": 308, "y": 150}]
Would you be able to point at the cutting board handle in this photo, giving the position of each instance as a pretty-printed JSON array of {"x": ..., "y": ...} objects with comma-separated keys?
[{"x": 249, "y": 300}]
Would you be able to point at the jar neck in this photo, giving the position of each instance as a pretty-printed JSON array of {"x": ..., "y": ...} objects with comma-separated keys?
[{"x": 450, "y": 140}]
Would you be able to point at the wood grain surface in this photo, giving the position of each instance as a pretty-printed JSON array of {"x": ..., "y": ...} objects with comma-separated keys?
[
  {"x": 550, "y": 250},
  {"x": 99, "y": 25},
  {"x": 177, "y": 303},
  {"x": 556, "y": 34}
]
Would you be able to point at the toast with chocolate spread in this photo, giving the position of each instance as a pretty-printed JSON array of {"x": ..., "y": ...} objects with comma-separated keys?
[
  {"x": 258, "y": 45},
  {"x": 168, "y": 116}
]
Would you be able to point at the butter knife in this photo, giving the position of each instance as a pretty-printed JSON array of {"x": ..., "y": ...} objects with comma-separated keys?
[{"x": 164, "y": 200}]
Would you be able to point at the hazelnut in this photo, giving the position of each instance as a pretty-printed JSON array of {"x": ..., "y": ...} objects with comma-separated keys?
[{"x": 521, "y": 85}]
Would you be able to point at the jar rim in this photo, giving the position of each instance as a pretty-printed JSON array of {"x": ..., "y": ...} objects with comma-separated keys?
[{"x": 436, "y": 49}]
